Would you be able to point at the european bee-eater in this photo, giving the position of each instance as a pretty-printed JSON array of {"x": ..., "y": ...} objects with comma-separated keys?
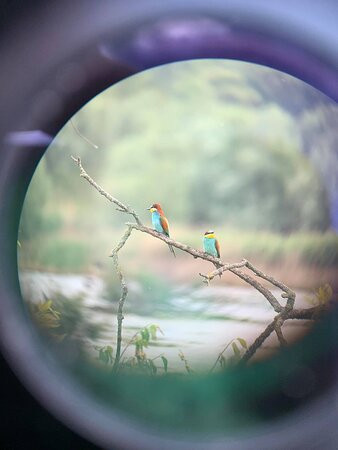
[
  {"x": 211, "y": 245},
  {"x": 160, "y": 222}
]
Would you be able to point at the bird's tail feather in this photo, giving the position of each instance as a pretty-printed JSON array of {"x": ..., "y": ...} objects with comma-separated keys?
[{"x": 172, "y": 250}]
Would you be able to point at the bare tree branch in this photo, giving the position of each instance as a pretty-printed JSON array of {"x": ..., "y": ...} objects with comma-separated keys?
[
  {"x": 284, "y": 313},
  {"x": 185, "y": 248},
  {"x": 307, "y": 313},
  {"x": 289, "y": 294},
  {"x": 302, "y": 314},
  {"x": 248, "y": 279},
  {"x": 279, "y": 333},
  {"x": 124, "y": 293},
  {"x": 224, "y": 266},
  {"x": 260, "y": 288},
  {"x": 258, "y": 342}
]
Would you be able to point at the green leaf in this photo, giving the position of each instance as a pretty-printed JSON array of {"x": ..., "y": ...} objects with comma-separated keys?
[
  {"x": 324, "y": 293},
  {"x": 44, "y": 307},
  {"x": 232, "y": 360},
  {"x": 145, "y": 336},
  {"x": 165, "y": 363},
  {"x": 102, "y": 355},
  {"x": 152, "y": 329},
  {"x": 236, "y": 349},
  {"x": 222, "y": 361},
  {"x": 152, "y": 366},
  {"x": 139, "y": 345},
  {"x": 106, "y": 354},
  {"x": 109, "y": 352},
  {"x": 242, "y": 342}
]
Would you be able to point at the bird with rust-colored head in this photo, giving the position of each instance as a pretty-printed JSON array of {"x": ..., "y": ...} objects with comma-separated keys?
[
  {"x": 211, "y": 245},
  {"x": 160, "y": 222}
]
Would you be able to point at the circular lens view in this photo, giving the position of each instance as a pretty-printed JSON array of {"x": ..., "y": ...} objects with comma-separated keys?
[{"x": 183, "y": 224}]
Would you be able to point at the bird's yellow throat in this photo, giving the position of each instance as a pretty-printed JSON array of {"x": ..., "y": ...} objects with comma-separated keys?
[{"x": 210, "y": 236}]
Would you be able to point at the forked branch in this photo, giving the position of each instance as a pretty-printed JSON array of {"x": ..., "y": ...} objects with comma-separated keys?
[{"x": 284, "y": 313}]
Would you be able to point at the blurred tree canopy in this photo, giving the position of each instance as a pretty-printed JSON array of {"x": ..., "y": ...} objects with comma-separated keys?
[
  {"x": 259, "y": 186},
  {"x": 216, "y": 142}
]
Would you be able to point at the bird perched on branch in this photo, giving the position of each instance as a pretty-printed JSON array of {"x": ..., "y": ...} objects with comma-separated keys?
[
  {"x": 211, "y": 246},
  {"x": 160, "y": 222}
]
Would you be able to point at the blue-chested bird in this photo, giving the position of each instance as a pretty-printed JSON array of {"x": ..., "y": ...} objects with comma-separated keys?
[
  {"x": 160, "y": 222},
  {"x": 211, "y": 246}
]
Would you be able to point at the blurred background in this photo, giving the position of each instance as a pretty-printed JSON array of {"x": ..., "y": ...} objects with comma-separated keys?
[{"x": 242, "y": 149}]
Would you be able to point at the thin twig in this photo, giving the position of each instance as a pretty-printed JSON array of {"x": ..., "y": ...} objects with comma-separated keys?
[
  {"x": 124, "y": 293},
  {"x": 224, "y": 268},
  {"x": 248, "y": 279},
  {"x": 158, "y": 356},
  {"x": 77, "y": 131},
  {"x": 186, "y": 364},
  {"x": 220, "y": 354},
  {"x": 260, "y": 288},
  {"x": 289, "y": 294}
]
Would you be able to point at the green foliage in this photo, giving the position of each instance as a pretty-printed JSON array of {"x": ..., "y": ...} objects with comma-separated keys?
[
  {"x": 48, "y": 319},
  {"x": 37, "y": 216},
  {"x": 64, "y": 254},
  {"x": 75, "y": 320},
  {"x": 139, "y": 363},
  {"x": 186, "y": 363},
  {"x": 320, "y": 136},
  {"x": 322, "y": 295},
  {"x": 143, "y": 337},
  {"x": 243, "y": 343},
  {"x": 258, "y": 184},
  {"x": 238, "y": 351},
  {"x": 270, "y": 248},
  {"x": 105, "y": 354},
  {"x": 320, "y": 250},
  {"x": 65, "y": 322},
  {"x": 165, "y": 363},
  {"x": 226, "y": 148},
  {"x": 321, "y": 254}
]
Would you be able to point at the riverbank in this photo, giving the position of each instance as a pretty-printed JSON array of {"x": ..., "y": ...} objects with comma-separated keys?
[{"x": 197, "y": 320}]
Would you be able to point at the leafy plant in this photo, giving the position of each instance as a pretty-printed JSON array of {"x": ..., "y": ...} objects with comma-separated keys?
[
  {"x": 322, "y": 295},
  {"x": 139, "y": 362},
  {"x": 105, "y": 354},
  {"x": 141, "y": 340},
  {"x": 48, "y": 319},
  {"x": 186, "y": 364},
  {"x": 238, "y": 351}
]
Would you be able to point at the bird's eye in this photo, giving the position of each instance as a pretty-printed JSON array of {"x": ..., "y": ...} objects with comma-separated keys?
[{"x": 103, "y": 312}]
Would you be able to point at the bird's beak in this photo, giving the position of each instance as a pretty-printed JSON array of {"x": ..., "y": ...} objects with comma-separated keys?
[{"x": 149, "y": 208}]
